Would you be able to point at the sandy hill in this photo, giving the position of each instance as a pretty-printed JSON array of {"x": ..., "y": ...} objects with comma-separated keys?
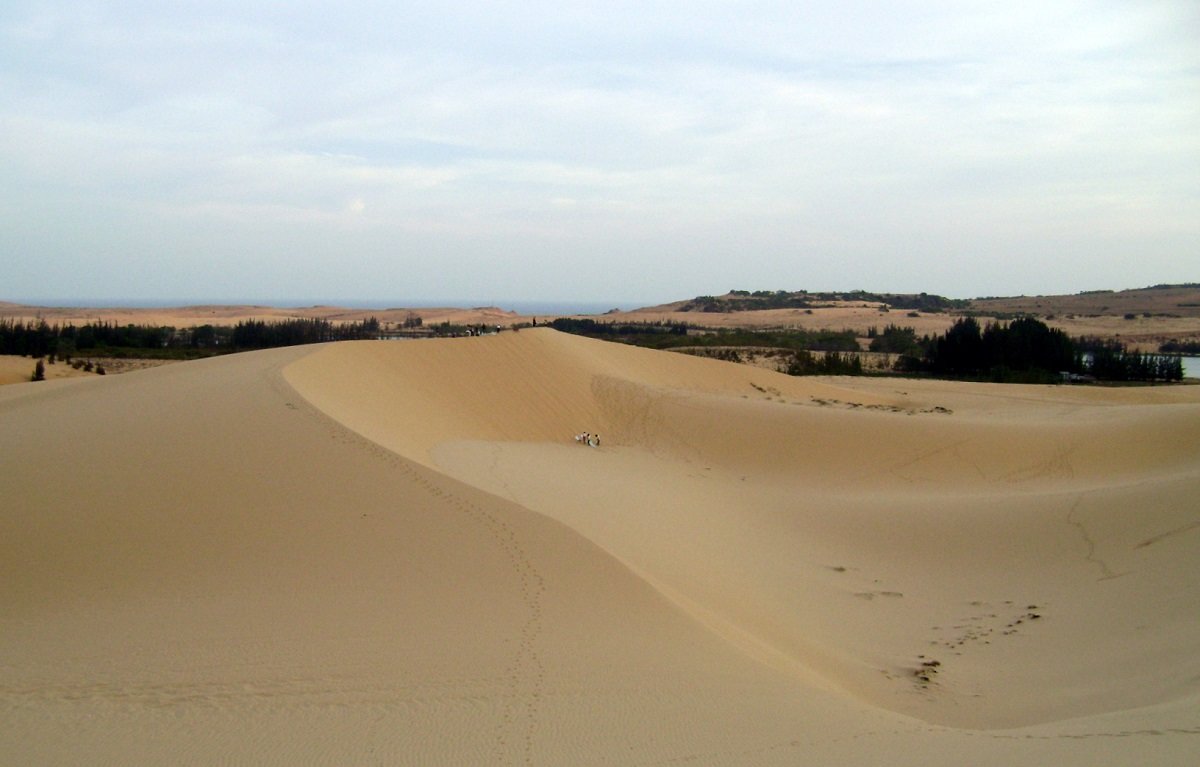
[
  {"x": 1169, "y": 300},
  {"x": 232, "y": 314},
  {"x": 395, "y": 552}
]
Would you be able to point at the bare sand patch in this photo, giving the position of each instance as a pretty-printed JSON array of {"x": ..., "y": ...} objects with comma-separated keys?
[
  {"x": 17, "y": 369},
  {"x": 232, "y": 314}
]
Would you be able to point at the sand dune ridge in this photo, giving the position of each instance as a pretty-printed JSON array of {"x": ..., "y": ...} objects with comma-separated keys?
[
  {"x": 746, "y": 469},
  {"x": 394, "y": 551}
]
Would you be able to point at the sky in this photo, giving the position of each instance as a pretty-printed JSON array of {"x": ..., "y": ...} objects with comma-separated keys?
[{"x": 618, "y": 151}]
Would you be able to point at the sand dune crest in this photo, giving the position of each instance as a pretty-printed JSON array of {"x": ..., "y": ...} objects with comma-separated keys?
[{"x": 395, "y": 552}]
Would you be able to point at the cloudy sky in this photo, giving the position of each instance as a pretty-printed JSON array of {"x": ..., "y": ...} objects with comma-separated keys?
[{"x": 648, "y": 151}]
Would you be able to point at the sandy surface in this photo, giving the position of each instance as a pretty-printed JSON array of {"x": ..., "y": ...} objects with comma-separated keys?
[
  {"x": 395, "y": 552},
  {"x": 231, "y": 314},
  {"x": 1141, "y": 333},
  {"x": 15, "y": 369}
]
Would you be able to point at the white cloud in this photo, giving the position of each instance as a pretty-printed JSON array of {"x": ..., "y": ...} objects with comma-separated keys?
[{"x": 866, "y": 138}]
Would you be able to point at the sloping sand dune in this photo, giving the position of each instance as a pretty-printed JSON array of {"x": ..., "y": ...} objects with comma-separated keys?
[{"x": 395, "y": 552}]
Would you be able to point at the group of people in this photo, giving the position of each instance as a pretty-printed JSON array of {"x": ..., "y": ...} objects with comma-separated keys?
[{"x": 591, "y": 440}]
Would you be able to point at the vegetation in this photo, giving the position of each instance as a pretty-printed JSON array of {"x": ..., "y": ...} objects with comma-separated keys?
[
  {"x": 895, "y": 340},
  {"x": 804, "y": 363},
  {"x": 744, "y": 300},
  {"x": 795, "y": 346},
  {"x": 674, "y": 335},
  {"x": 657, "y": 335},
  {"x": 1111, "y": 361},
  {"x": 256, "y": 334},
  {"x": 1175, "y": 346},
  {"x": 38, "y": 338},
  {"x": 1026, "y": 350}
]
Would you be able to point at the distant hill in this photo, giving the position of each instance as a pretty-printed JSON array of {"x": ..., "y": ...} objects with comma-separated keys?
[
  {"x": 761, "y": 300},
  {"x": 1160, "y": 300}
]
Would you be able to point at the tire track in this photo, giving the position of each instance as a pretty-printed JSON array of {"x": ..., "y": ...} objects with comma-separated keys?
[
  {"x": 1106, "y": 572},
  {"x": 525, "y": 674}
]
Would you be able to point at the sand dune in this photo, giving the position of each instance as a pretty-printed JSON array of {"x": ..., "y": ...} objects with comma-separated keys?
[{"x": 394, "y": 552}]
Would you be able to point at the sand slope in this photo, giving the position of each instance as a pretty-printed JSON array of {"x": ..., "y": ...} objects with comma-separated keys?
[{"x": 393, "y": 552}]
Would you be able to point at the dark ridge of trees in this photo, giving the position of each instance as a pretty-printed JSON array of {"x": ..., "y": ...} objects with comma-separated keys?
[
  {"x": 1110, "y": 361},
  {"x": 27, "y": 339},
  {"x": 671, "y": 335},
  {"x": 1175, "y": 346},
  {"x": 38, "y": 338},
  {"x": 804, "y": 363},
  {"x": 107, "y": 335},
  {"x": 1022, "y": 350},
  {"x": 744, "y": 300},
  {"x": 926, "y": 302},
  {"x": 258, "y": 334},
  {"x": 1026, "y": 350},
  {"x": 626, "y": 330},
  {"x": 895, "y": 340}
]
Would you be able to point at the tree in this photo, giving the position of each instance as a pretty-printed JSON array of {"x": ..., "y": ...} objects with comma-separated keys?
[
  {"x": 39, "y": 371},
  {"x": 960, "y": 350},
  {"x": 895, "y": 340},
  {"x": 1023, "y": 350}
]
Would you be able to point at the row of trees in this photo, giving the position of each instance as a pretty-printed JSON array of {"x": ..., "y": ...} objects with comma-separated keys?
[
  {"x": 895, "y": 340},
  {"x": 1027, "y": 349},
  {"x": 40, "y": 339},
  {"x": 623, "y": 330},
  {"x": 805, "y": 363},
  {"x": 1175, "y": 346},
  {"x": 674, "y": 335},
  {"x": 1112, "y": 362},
  {"x": 1023, "y": 350},
  {"x": 258, "y": 334},
  {"x": 744, "y": 300}
]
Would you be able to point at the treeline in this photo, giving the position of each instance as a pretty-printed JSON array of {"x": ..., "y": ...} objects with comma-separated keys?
[
  {"x": 895, "y": 340},
  {"x": 40, "y": 339},
  {"x": 259, "y": 334},
  {"x": 673, "y": 335},
  {"x": 744, "y": 300},
  {"x": 1110, "y": 361},
  {"x": 804, "y": 363},
  {"x": 1024, "y": 349},
  {"x": 638, "y": 333},
  {"x": 1175, "y": 346},
  {"x": 1027, "y": 350}
]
